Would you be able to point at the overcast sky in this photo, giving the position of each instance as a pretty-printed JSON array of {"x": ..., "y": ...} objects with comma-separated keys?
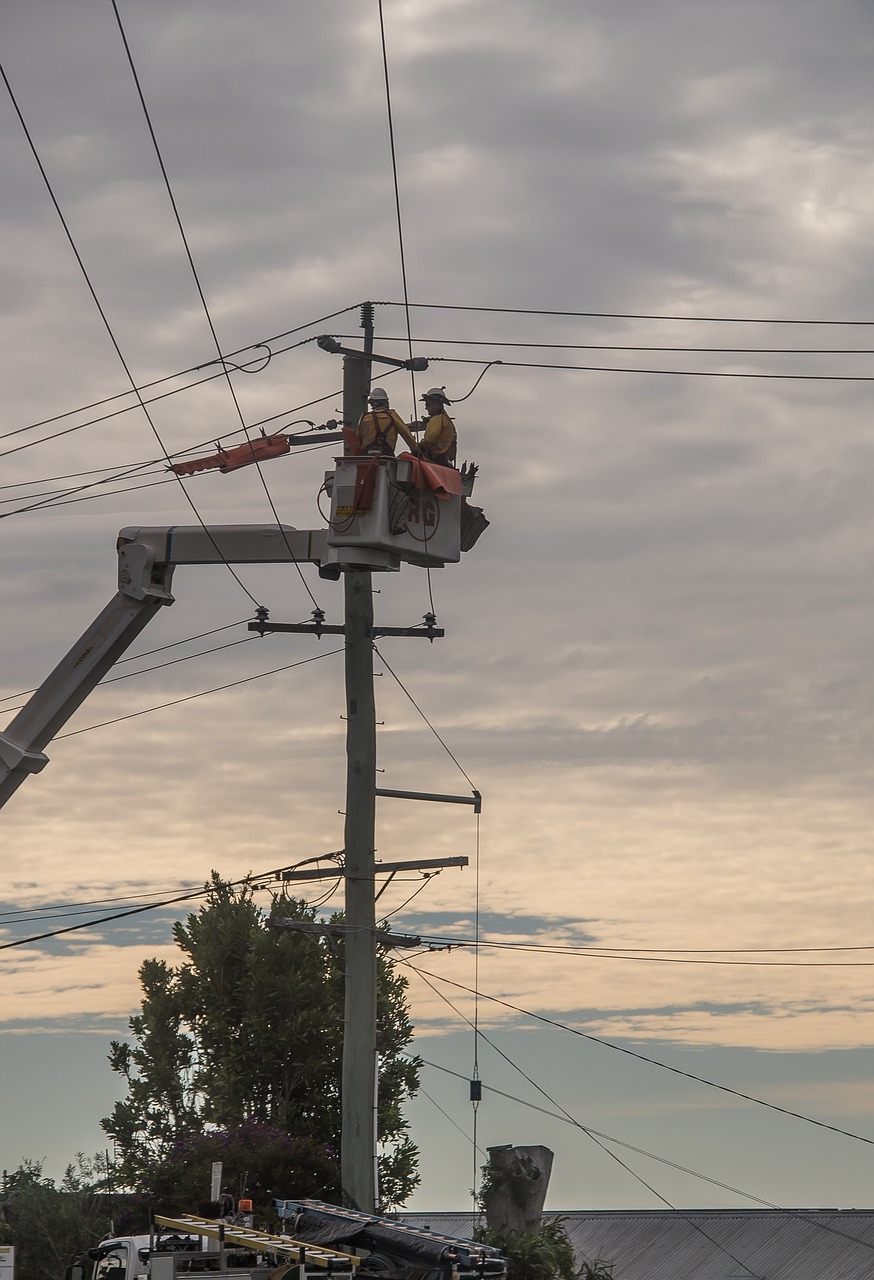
[{"x": 657, "y": 666}]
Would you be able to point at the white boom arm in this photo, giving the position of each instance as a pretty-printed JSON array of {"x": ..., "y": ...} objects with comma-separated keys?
[
  {"x": 380, "y": 518},
  {"x": 146, "y": 560}
]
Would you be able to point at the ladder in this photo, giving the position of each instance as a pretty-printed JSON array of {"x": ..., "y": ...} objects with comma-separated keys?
[{"x": 297, "y": 1251}]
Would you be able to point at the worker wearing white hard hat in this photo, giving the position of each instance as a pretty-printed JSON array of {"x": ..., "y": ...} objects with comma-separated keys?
[
  {"x": 379, "y": 429},
  {"x": 440, "y": 442}
]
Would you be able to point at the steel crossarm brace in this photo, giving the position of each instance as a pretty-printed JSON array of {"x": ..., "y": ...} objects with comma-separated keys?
[
  {"x": 475, "y": 799},
  {"x": 332, "y": 629},
  {"x": 411, "y": 864}
]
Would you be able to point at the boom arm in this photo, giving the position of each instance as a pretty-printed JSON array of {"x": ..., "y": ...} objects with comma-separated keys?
[
  {"x": 381, "y": 517},
  {"x": 147, "y": 558}
]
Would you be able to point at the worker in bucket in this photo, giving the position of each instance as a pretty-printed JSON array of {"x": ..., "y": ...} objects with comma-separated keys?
[
  {"x": 379, "y": 429},
  {"x": 440, "y": 442}
]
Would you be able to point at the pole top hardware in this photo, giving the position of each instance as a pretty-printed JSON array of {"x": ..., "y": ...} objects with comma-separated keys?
[{"x": 417, "y": 364}]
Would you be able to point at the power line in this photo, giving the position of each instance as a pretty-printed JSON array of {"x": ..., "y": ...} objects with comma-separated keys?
[
  {"x": 147, "y": 653},
  {"x": 152, "y": 906},
  {"x": 234, "y": 684},
  {"x": 620, "y": 315},
  {"x": 426, "y": 880},
  {"x": 134, "y": 468},
  {"x": 145, "y": 671},
  {"x": 655, "y": 1062},
  {"x": 202, "y": 295},
  {"x": 454, "y": 1123},
  {"x": 60, "y": 911},
  {"x": 598, "y": 953},
  {"x": 595, "y": 1138},
  {"x": 105, "y": 319},
  {"x": 669, "y": 373},
  {"x": 397, "y": 195},
  {"x": 403, "y": 687},
  {"x": 612, "y": 346},
  {"x": 116, "y": 413},
  {"x": 565, "y": 1118},
  {"x": 173, "y": 662},
  {"x": 170, "y": 377}
]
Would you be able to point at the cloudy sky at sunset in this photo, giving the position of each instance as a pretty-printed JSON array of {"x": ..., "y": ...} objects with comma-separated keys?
[{"x": 658, "y": 660}]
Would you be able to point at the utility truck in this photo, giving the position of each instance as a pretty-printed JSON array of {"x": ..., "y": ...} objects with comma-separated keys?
[{"x": 323, "y": 1240}]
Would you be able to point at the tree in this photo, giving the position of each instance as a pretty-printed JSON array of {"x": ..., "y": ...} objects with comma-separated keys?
[
  {"x": 247, "y": 1031},
  {"x": 49, "y": 1225},
  {"x": 545, "y": 1254}
]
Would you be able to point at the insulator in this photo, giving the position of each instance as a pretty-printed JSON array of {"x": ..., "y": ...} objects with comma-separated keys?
[
  {"x": 367, "y": 315},
  {"x": 476, "y": 1090}
]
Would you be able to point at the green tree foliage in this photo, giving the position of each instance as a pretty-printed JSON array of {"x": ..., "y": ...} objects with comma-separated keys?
[
  {"x": 50, "y": 1224},
  {"x": 259, "y": 1160},
  {"x": 245, "y": 1032},
  {"x": 546, "y": 1254}
]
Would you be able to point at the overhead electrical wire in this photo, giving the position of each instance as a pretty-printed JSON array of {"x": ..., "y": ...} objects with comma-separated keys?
[
  {"x": 33, "y": 915},
  {"x": 426, "y": 880},
  {"x": 565, "y": 1118},
  {"x": 165, "y": 395},
  {"x": 564, "y": 1115},
  {"x": 406, "y": 691},
  {"x": 64, "y": 498},
  {"x": 620, "y": 315},
  {"x": 477, "y": 1151},
  {"x": 669, "y": 373},
  {"x": 598, "y": 953},
  {"x": 397, "y": 195},
  {"x": 160, "y": 666},
  {"x": 188, "y": 896},
  {"x": 642, "y": 1057},
  {"x": 202, "y": 296},
  {"x": 105, "y": 320},
  {"x": 233, "y": 684},
  {"x": 596, "y": 1139},
  {"x": 467, "y": 342},
  {"x": 170, "y": 377},
  {"x": 612, "y": 346},
  {"x": 146, "y": 653}
]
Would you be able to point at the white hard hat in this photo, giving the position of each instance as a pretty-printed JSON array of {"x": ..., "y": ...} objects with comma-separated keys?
[
  {"x": 436, "y": 393},
  {"x": 378, "y": 395}
]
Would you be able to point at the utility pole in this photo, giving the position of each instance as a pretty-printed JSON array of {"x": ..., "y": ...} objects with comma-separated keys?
[{"x": 359, "y": 1079}]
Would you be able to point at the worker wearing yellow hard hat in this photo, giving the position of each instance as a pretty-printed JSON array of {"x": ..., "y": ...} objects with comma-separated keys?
[
  {"x": 440, "y": 441},
  {"x": 379, "y": 429}
]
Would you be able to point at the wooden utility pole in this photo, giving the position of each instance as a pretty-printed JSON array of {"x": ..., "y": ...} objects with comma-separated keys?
[{"x": 359, "y": 1079}]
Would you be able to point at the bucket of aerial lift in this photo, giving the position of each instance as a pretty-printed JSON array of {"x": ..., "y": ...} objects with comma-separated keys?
[{"x": 388, "y": 511}]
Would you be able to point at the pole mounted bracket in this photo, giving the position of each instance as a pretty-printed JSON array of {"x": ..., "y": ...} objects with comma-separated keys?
[{"x": 417, "y": 364}]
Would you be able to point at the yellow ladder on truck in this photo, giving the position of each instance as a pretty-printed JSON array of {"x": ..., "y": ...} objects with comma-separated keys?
[{"x": 297, "y": 1250}]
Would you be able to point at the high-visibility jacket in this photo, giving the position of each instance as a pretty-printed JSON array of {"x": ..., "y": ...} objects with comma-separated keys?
[
  {"x": 378, "y": 431},
  {"x": 439, "y": 443}
]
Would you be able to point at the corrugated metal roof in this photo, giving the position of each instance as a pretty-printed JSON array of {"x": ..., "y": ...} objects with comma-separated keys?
[{"x": 711, "y": 1244}]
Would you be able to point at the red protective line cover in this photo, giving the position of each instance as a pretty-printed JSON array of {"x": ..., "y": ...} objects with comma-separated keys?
[{"x": 441, "y": 481}]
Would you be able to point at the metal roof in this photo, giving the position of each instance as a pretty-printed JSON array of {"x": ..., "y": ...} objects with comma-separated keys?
[{"x": 710, "y": 1244}]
